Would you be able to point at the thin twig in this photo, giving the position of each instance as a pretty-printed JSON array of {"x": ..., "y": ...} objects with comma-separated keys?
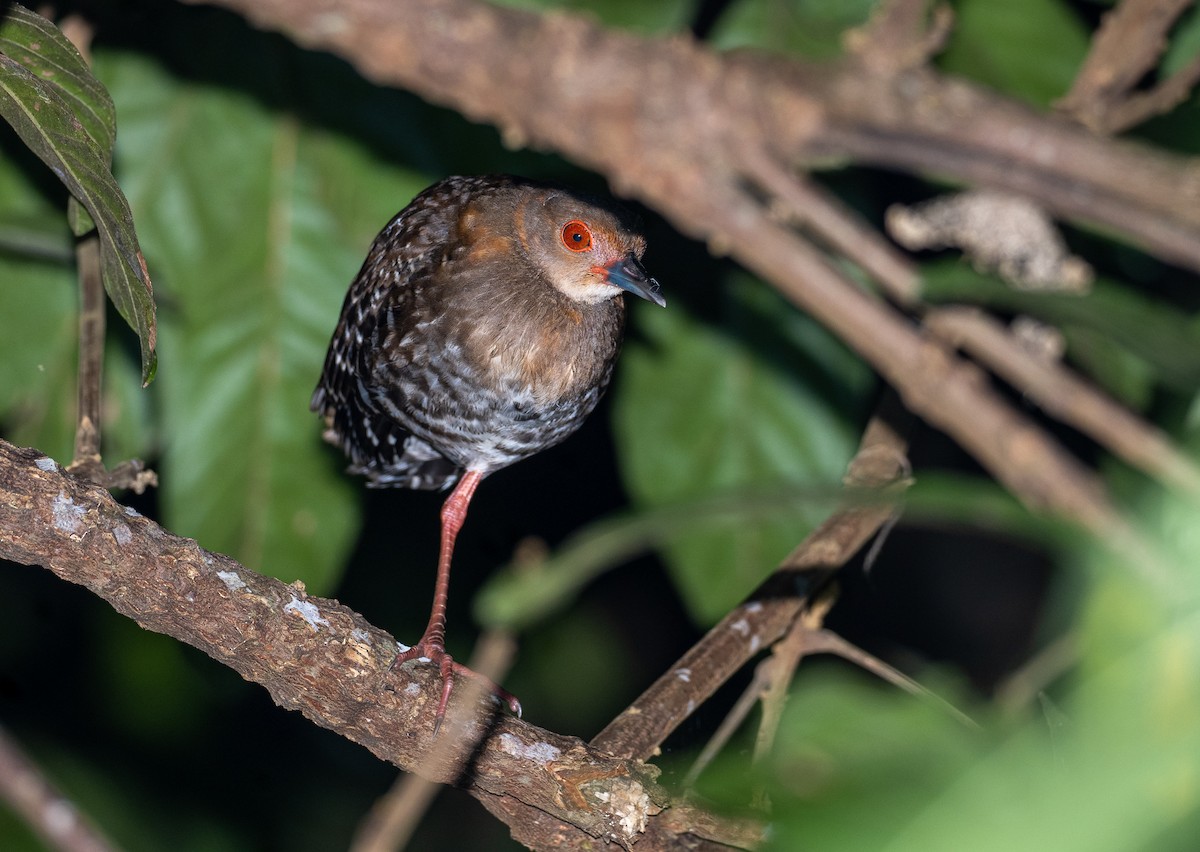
[
  {"x": 86, "y": 461},
  {"x": 1018, "y": 692},
  {"x": 785, "y": 659},
  {"x": 808, "y": 637},
  {"x": 825, "y": 641},
  {"x": 41, "y": 805},
  {"x": 1066, "y": 397},
  {"x": 730, "y": 724},
  {"x": 805, "y": 204},
  {"x": 91, "y": 358},
  {"x": 900, "y": 34},
  {"x": 1161, "y": 99},
  {"x": 779, "y": 666},
  {"x": 1128, "y": 44},
  {"x": 773, "y": 676}
]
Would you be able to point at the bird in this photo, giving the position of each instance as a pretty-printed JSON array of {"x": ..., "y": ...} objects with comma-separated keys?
[{"x": 481, "y": 329}]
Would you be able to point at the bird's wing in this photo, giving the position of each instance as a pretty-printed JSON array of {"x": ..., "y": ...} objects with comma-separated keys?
[{"x": 382, "y": 295}]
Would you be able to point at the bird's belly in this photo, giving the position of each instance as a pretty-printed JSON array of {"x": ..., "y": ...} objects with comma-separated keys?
[{"x": 487, "y": 428}]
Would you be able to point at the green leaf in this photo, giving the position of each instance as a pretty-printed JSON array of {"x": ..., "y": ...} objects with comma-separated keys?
[
  {"x": 38, "y": 341},
  {"x": 846, "y": 741},
  {"x": 46, "y": 53},
  {"x": 809, "y": 28},
  {"x": 1185, "y": 43},
  {"x": 44, "y": 119},
  {"x": 769, "y": 399},
  {"x": 1124, "y": 375},
  {"x": 1027, "y": 48}
]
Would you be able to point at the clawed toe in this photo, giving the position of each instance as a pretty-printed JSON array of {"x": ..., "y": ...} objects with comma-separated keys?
[{"x": 427, "y": 652}]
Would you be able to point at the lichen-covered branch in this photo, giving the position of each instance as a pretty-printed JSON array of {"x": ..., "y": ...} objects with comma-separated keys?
[{"x": 326, "y": 661}]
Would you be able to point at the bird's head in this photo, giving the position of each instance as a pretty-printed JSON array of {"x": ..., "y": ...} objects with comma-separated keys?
[{"x": 588, "y": 249}]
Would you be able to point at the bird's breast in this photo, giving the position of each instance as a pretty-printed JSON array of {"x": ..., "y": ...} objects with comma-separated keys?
[{"x": 547, "y": 357}]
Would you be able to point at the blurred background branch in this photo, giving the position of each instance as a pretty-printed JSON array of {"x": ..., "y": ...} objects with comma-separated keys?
[{"x": 30, "y": 793}]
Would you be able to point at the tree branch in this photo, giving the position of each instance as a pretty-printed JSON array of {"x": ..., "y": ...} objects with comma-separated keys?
[
  {"x": 898, "y": 37},
  {"x": 1129, "y": 43},
  {"x": 1066, "y": 397},
  {"x": 50, "y": 814},
  {"x": 673, "y": 119},
  {"x": 326, "y": 661}
]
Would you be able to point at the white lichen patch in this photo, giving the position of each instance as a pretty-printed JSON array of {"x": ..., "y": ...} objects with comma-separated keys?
[
  {"x": 412, "y": 690},
  {"x": 629, "y": 804},
  {"x": 46, "y": 463},
  {"x": 536, "y": 752},
  {"x": 67, "y": 516},
  {"x": 61, "y": 818},
  {"x": 401, "y": 647},
  {"x": 740, "y": 627},
  {"x": 684, "y": 675},
  {"x": 232, "y": 580},
  {"x": 361, "y": 635},
  {"x": 122, "y": 534},
  {"x": 755, "y": 643},
  {"x": 1007, "y": 234},
  {"x": 132, "y": 512},
  {"x": 753, "y": 606},
  {"x": 308, "y": 611}
]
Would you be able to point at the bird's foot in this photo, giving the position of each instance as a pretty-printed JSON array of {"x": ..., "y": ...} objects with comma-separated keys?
[{"x": 434, "y": 652}]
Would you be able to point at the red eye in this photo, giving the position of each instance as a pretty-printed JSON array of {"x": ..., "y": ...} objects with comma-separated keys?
[{"x": 577, "y": 236}]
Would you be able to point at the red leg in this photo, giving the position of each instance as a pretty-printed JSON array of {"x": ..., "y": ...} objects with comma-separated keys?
[
  {"x": 454, "y": 512},
  {"x": 432, "y": 645}
]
